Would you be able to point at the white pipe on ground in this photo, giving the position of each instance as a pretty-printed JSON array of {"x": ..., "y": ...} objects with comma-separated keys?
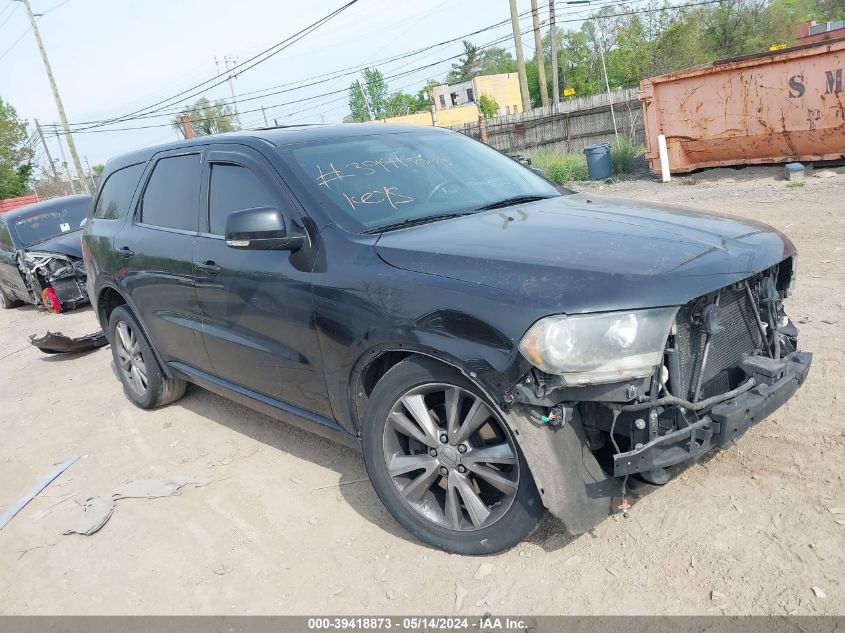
[{"x": 664, "y": 157}]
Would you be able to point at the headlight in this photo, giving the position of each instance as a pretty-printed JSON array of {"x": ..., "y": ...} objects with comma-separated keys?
[{"x": 599, "y": 348}]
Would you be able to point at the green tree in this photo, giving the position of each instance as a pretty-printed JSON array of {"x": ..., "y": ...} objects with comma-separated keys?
[
  {"x": 424, "y": 93},
  {"x": 98, "y": 170},
  {"x": 467, "y": 66},
  {"x": 495, "y": 60},
  {"x": 15, "y": 155},
  {"x": 487, "y": 106},
  {"x": 46, "y": 185},
  {"x": 208, "y": 118},
  {"x": 400, "y": 104},
  {"x": 375, "y": 88},
  {"x": 357, "y": 104},
  {"x": 383, "y": 103}
]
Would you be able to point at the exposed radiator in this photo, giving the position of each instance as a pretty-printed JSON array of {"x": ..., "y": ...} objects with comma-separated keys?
[{"x": 739, "y": 336}]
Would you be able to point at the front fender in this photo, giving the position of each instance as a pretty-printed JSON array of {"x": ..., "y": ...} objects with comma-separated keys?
[
  {"x": 572, "y": 484},
  {"x": 493, "y": 375}
]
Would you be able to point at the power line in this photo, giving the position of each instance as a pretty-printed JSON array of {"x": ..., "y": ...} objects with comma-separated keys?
[
  {"x": 242, "y": 67},
  {"x": 308, "y": 98},
  {"x": 341, "y": 91},
  {"x": 344, "y": 90},
  {"x": 319, "y": 78},
  {"x": 9, "y": 50},
  {"x": 322, "y": 79},
  {"x": 61, "y": 4},
  {"x": 9, "y": 15},
  {"x": 15, "y": 43}
]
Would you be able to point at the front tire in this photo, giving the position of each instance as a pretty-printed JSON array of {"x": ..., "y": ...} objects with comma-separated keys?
[
  {"x": 7, "y": 303},
  {"x": 144, "y": 383},
  {"x": 444, "y": 462}
]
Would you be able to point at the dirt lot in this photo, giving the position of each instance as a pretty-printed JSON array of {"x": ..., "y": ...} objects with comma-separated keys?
[{"x": 288, "y": 523}]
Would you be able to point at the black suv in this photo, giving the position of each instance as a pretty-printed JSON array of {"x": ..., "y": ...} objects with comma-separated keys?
[{"x": 495, "y": 346}]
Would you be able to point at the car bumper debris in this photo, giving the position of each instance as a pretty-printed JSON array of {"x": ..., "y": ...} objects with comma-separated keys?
[{"x": 58, "y": 343}]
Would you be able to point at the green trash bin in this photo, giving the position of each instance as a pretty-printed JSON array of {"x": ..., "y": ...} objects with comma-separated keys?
[{"x": 598, "y": 161}]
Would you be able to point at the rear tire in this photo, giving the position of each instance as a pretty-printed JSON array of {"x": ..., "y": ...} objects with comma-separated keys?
[
  {"x": 444, "y": 463},
  {"x": 144, "y": 383}
]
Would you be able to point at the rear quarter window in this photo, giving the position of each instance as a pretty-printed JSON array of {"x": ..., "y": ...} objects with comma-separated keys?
[{"x": 117, "y": 191}]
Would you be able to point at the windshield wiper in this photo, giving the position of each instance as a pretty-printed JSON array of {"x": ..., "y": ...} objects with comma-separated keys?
[
  {"x": 507, "y": 202},
  {"x": 413, "y": 222}
]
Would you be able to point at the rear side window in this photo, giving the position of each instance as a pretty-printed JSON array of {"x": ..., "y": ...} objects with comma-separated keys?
[
  {"x": 171, "y": 198},
  {"x": 117, "y": 191},
  {"x": 233, "y": 188}
]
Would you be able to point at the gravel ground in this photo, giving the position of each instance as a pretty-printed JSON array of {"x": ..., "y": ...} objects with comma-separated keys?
[{"x": 288, "y": 523}]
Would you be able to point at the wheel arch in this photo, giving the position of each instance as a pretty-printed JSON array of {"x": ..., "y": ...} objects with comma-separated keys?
[
  {"x": 108, "y": 299},
  {"x": 376, "y": 362}
]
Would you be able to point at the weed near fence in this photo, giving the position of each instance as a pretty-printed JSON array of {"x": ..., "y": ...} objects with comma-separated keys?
[{"x": 563, "y": 168}]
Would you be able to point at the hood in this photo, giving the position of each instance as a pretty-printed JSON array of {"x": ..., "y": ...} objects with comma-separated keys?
[
  {"x": 580, "y": 253},
  {"x": 64, "y": 244}
]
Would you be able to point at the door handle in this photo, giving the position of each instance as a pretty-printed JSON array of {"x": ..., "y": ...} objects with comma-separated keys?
[
  {"x": 209, "y": 266},
  {"x": 125, "y": 252}
]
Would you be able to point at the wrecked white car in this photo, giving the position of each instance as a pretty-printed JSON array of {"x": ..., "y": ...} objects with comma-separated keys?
[{"x": 41, "y": 254}]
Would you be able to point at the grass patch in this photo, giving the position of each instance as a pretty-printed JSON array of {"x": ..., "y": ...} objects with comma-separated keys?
[
  {"x": 794, "y": 184},
  {"x": 561, "y": 168},
  {"x": 623, "y": 155}
]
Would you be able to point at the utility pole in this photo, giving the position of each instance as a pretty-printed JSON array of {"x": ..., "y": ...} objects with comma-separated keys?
[
  {"x": 366, "y": 101},
  {"x": 264, "y": 114},
  {"x": 553, "y": 43},
  {"x": 71, "y": 145},
  {"x": 538, "y": 53},
  {"x": 65, "y": 165},
  {"x": 90, "y": 173},
  {"x": 46, "y": 149},
  {"x": 431, "y": 106},
  {"x": 520, "y": 59},
  {"x": 482, "y": 129},
  {"x": 187, "y": 126},
  {"x": 226, "y": 60},
  {"x": 600, "y": 35}
]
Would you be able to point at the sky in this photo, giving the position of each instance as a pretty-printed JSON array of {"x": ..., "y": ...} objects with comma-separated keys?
[{"x": 111, "y": 57}]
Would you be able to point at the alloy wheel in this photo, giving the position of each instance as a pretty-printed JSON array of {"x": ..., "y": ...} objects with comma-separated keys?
[
  {"x": 450, "y": 457},
  {"x": 132, "y": 363}
]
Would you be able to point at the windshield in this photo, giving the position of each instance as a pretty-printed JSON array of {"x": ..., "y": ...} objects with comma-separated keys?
[
  {"x": 51, "y": 222},
  {"x": 386, "y": 179}
]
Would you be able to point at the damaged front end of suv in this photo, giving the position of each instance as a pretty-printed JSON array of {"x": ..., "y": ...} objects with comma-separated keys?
[
  {"x": 638, "y": 392},
  {"x": 41, "y": 254},
  {"x": 54, "y": 280}
]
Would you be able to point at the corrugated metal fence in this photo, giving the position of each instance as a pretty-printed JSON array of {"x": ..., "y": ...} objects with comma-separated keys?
[{"x": 576, "y": 123}]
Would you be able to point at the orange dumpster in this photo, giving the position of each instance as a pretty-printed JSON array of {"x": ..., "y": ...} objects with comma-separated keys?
[{"x": 781, "y": 106}]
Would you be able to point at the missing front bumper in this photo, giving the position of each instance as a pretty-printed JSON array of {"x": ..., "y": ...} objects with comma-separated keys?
[{"x": 776, "y": 381}]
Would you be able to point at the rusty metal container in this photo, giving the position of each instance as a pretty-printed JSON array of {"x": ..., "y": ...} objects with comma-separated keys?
[{"x": 781, "y": 106}]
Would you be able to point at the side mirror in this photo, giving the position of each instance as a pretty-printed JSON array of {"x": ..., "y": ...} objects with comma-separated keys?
[{"x": 262, "y": 228}]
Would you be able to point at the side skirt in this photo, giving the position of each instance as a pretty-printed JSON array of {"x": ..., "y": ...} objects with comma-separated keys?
[{"x": 306, "y": 420}]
